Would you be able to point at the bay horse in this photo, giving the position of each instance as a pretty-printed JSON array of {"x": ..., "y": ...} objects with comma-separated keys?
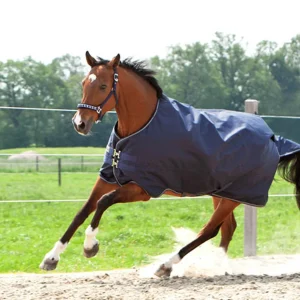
[{"x": 161, "y": 146}]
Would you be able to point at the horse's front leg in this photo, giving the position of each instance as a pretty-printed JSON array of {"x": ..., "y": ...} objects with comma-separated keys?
[
  {"x": 51, "y": 259},
  {"x": 127, "y": 193}
]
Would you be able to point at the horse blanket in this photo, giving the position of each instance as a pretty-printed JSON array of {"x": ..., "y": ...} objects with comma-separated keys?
[{"x": 198, "y": 152}]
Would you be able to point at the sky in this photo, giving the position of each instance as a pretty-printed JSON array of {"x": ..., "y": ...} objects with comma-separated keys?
[{"x": 45, "y": 29}]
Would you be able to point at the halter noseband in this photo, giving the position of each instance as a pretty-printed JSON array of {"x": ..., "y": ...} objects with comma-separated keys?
[{"x": 98, "y": 109}]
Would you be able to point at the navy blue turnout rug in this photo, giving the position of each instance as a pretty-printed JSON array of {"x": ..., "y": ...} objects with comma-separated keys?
[{"x": 200, "y": 152}]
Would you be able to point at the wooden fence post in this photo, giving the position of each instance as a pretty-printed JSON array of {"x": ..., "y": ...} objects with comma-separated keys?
[{"x": 250, "y": 213}]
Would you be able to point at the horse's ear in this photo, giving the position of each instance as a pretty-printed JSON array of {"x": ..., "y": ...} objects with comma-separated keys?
[
  {"x": 90, "y": 59},
  {"x": 115, "y": 61}
]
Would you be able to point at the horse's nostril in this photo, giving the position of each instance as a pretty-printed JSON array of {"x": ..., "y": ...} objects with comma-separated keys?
[{"x": 81, "y": 125}]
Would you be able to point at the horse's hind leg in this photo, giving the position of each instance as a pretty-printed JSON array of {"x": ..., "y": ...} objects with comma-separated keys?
[
  {"x": 227, "y": 228},
  {"x": 51, "y": 259},
  {"x": 210, "y": 230}
]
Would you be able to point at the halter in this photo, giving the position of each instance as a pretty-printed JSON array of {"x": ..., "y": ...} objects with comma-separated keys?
[{"x": 98, "y": 109}]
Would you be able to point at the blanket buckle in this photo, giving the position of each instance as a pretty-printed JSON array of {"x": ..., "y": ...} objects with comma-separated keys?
[{"x": 116, "y": 158}]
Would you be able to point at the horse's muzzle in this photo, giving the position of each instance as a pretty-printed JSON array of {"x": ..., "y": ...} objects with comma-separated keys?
[{"x": 82, "y": 126}]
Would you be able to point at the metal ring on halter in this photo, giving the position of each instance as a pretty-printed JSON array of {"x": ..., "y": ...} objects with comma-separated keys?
[{"x": 99, "y": 110}]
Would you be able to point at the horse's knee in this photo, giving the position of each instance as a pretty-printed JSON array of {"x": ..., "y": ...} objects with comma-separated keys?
[
  {"x": 108, "y": 200},
  {"x": 209, "y": 232},
  {"x": 215, "y": 231}
]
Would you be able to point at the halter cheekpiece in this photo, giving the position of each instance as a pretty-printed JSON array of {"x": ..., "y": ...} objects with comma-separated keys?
[{"x": 98, "y": 109}]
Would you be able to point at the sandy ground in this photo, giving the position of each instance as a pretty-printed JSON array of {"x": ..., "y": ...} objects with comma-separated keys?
[{"x": 206, "y": 273}]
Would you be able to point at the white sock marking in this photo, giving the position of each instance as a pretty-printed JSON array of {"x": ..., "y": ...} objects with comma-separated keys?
[
  {"x": 90, "y": 241},
  {"x": 58, "y": 248},
  {"x": 173, "y": 260}
]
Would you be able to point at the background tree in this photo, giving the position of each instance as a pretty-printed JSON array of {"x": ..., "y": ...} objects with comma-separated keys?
[{"x": 218, "y": 75}]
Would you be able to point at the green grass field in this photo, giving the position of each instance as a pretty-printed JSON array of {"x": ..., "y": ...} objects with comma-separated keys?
[
  {"x": 83, "y": 160},
  {"x": 130, "y": 234}
]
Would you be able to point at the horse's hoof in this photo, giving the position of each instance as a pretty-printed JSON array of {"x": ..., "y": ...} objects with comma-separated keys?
[
  {"x": 91, "y": 252},
  {"x": 163, "y": 271},
  {"x": 48, "y": 264}
]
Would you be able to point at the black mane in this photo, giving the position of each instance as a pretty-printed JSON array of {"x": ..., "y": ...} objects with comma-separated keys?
[{"x": 138, "y": 67}]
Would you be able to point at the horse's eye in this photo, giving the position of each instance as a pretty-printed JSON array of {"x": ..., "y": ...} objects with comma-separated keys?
[{"x": 103, "y": 87}]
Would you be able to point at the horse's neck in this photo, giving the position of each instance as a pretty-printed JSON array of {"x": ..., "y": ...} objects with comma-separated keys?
[{"x": 137, "y": 103}]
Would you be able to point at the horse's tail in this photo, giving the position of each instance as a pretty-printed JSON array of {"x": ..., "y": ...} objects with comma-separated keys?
[{"x": 289, "y": 169}]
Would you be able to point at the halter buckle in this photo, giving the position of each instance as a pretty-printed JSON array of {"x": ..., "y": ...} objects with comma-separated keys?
[{"x": 116, "y": 77}]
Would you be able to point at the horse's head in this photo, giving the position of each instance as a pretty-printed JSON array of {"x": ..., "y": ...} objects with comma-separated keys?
[{"x": 99, "y": 93}]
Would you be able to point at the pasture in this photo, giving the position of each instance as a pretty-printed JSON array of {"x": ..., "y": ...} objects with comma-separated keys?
[
  {"x": 47, "y": 162},
  {"x": 130, "y": 234}
]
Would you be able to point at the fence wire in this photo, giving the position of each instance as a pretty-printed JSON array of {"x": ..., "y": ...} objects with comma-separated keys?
[{"x": 113, "y": 112}]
